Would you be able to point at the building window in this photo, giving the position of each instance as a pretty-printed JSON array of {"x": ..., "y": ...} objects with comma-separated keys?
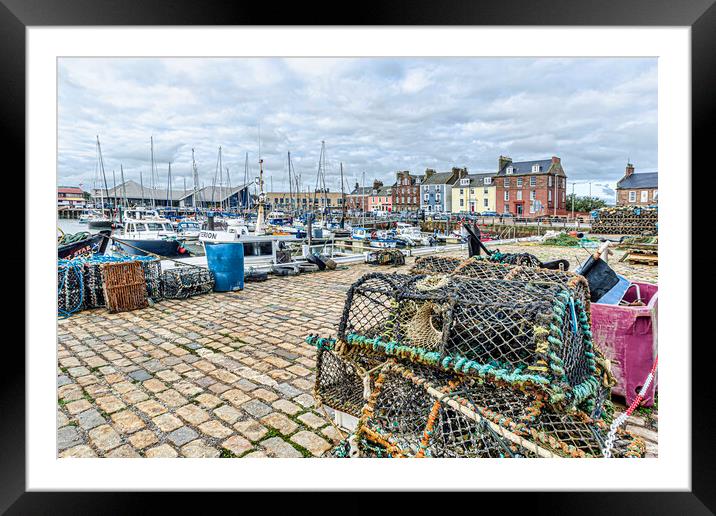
[
  {"x": 533, "y": 195},
  {"x": 519, "y": 182},
  {"x": 549, "y": 181},
  {"x": 507, "y": 196},
  {"x": 462, "y": 203},
  {"x": 485, "y": 191},
  {"x": 549, "y": 195},
  {"x": 519, "y": 195},
  {"x": 510, "y": 170},
  {"x": 654, "y": 195},
  {"x": 472, "y": 191},
  {"x": 487, "y": 181},
  {"x": 484, "y": 202},
  {"x": 461, "y": 191},
  {"x": 507, "y": 183},
  {"x": 533, "y": 181},
  {"x": 644, "y": 196},
  {"x": 632, "y": 196}
]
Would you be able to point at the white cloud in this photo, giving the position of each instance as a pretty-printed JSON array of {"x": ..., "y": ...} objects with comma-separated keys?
[{"x": 376, "y": 115}]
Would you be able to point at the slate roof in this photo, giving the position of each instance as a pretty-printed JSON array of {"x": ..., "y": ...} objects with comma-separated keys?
[
  {"x": 640, "y": 180},
  {"x": 476, "y": 180},
  {"x": 521, "y": 168},
  {"x": 440, "y": 178},
  {"x": 362, "y": 190}
]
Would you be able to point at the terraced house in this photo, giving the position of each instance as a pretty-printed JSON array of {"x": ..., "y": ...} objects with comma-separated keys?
[
  {"x": 531, "y": 188},
  {"x": 406, "y": 192},
  {"x": 436, "y": 189},
  {"x": 474, "y": 193}
]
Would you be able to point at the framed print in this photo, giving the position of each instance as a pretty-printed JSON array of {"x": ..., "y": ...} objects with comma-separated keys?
[{"x": 420, "y": 233}]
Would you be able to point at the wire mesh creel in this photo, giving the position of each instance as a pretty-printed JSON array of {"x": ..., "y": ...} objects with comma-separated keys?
[
  {"x": 536, "y": 335},
  {"x": 416, "y": 411}
]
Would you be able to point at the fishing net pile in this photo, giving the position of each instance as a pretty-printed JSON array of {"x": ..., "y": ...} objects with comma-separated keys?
[
  {"x": 80, "y": 284},
  {"x": 469, "y": 364},
  {"x": 625, "y": 220},
  {"x": 393, "y": 257},
  {"x": 186, "y": 281}
]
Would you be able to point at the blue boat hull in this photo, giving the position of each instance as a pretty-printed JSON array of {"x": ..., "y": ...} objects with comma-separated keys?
[{"x": 167, "y": 248}]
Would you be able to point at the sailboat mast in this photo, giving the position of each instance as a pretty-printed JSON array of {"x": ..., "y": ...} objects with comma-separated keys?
[
  {"x": 151, "y": 177},
  {"x": 343, "y": 200},
  {"x": 124, "y": 186},
  {"x": 104, "y": 176},
  {"x": 141, "y": 185},
  {"x": 169, "y": 186}
]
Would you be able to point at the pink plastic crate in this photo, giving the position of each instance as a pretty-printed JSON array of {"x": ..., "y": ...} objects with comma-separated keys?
[{"x": 627, "y": 335}]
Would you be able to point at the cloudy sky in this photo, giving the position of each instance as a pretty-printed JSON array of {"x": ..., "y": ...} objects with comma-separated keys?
[{"x": 376, "y": 115}]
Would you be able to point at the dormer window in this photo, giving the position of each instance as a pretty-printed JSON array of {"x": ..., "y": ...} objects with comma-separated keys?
[
  {"x": 536, "y": 168},
  {"x": 510, "y": 170},
  {"x": 464, "y": 181},
  {"x": 488, "y": 180}
]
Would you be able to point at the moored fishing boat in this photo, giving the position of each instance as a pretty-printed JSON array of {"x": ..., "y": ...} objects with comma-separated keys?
[
  {"x": 83, "y": 244},
  {"x": 149, "y": 236}
]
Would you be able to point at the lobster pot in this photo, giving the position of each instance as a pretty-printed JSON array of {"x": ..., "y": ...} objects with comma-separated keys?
[
  {"x": 625, "y": 220},
  {"x": 393, "y": 257},
  {"x": 186, "y": 281},
  {"x": 124, "y": 286},
  {"x": 435, "y": 265},
  {"x": 483, "y": 269},
  {"x": 94, "y": 291},
  {"x": 414, "y": 412},
  {"x": 411, "y": 415},
  {"x": 339, "y": 383},
  {"x": 527, "y": 332},
  {"x": 70, "y": 287},
  {"x": 153, "y": 276}
]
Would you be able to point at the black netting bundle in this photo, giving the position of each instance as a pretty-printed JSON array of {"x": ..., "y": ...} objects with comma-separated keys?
[
  {"x": 625, "y": 220},
  {"x": 186, "y": 281}
]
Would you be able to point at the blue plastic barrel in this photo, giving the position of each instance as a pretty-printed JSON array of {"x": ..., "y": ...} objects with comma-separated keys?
[{"x": 226, "y": 261}]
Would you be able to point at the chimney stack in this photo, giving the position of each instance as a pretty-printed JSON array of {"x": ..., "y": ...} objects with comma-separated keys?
[
  {"x": 502, "y": 162},
  {"x": 629, "y": 170},
  {"x": 429, "y": 172},
  {"x": 555, "y": 159}
]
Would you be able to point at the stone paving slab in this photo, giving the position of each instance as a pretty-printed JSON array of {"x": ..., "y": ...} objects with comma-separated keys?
[{"x": 223, "y": 374}]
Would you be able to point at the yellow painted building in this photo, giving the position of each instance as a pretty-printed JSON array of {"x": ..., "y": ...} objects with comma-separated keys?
[{"x": 474, "y": 194}]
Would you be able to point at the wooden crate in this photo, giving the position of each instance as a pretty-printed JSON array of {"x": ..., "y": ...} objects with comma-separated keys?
[{"x": 125, "y": 286}]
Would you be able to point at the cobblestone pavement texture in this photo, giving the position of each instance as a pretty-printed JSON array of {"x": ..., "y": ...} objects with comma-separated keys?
[{"x": 223, "y": 374}]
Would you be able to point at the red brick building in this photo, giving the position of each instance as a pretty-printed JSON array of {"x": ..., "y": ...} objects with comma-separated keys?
[
  {"x": 531, "y": 188},
  {"x": 406, "y": 192},
  {"x": 358, "y": 199},
  {"x": 638, "y": 189}
]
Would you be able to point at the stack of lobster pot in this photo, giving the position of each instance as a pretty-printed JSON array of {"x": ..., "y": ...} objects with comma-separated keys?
[{"x": 469, "y": 358}]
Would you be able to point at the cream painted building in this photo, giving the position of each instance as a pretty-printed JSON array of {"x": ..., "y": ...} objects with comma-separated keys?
[{"x": 474, "y": 194}]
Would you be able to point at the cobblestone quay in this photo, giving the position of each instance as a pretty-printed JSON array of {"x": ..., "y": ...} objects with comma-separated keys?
[{"x": 224, "y": 374}]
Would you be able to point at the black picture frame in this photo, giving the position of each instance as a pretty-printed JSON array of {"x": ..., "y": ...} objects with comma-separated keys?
[{"x": 700, "y": 15}]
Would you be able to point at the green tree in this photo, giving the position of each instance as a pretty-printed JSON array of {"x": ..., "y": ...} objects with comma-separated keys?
[{"x": 584, "y": 203}]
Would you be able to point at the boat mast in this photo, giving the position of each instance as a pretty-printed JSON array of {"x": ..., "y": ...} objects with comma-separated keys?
[
  {"x": 195, "y": 178},
  {"x": 104, "y": 176},
  {"x": 260, "y": 215},
  {"x": 151, "y": 177},
  {"x": 246, "y": 183},
  {"x": 124, "y": 185},
  {"x": 141, "y": 185},
  {"x": 169, "y": 186},
  {"x": 228, "y": 185},
  {"x": 114, "y": 188},
  {"x": 343, "y": 200},
  {"x": 290, "y": 186}
]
